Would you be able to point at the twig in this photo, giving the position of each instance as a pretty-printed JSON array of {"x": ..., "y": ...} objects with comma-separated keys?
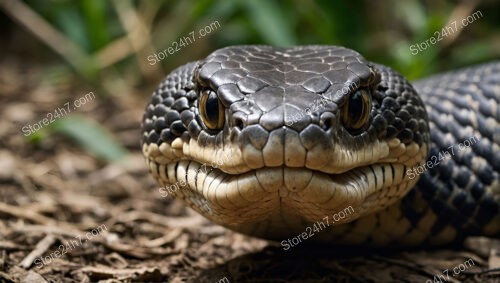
[
  {"x": 138, "y": 36},
  {"x": 49, "y": 229},
  {"x": 40, "y": 248},
  {"x": 25, "y": 214},
  {"x": 485, "y": 271},
  {"x": 8, "y": 245},
  {"x": 181, "y": 222},
  {"x": 115, "y": 51},
  {"x": 122, "y": 47},
  {"x": 460, "y": 12},
  {"x": 134, "y": 274},
  {"x": 168, "y": 238},
  {"x": 6, "y": 277},
  {"x": 139, "y": 252}
]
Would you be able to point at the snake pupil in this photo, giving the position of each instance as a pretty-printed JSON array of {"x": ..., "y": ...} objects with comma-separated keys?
[
  {"x": 211, "y": 111},
  {"x": 355, "y": 106},
  {"x": 212, "y": 107},
  {"x": 356, "y": 111}
]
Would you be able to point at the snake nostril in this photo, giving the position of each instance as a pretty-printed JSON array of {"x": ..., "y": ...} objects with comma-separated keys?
[
  {"x": 326, "y": 121},
  {"x": 238, "y": 123}
]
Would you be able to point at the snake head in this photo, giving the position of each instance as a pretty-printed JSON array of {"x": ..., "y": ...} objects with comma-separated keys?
[{"x": 265, "y": 140}]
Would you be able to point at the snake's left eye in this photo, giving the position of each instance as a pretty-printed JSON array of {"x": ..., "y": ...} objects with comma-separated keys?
[
  {"x": 356, "y": 112},
  {"x": 211, "y": 110}
]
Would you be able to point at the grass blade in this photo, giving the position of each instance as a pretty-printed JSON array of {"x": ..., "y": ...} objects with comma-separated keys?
[{"x": 94, "y": 138}]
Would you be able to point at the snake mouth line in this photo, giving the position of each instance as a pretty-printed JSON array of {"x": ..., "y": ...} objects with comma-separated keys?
[
  {"x": 207, "y": 169},
  {"x": 202, "y": 177}
]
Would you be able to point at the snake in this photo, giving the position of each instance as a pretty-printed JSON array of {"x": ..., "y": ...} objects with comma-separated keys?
[{"x": 274, "y": 142}]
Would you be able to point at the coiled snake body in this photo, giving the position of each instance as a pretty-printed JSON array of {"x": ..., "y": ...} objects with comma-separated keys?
[{"x": 268, "y": 141}]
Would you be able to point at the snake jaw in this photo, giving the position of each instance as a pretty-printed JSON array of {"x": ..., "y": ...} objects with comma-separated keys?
[
  {"x": 236, "y": 198},
  {"x": 256, "y": 194}
]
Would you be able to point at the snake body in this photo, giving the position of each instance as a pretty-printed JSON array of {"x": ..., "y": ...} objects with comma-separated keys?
[{"x": 271, "y": 141}]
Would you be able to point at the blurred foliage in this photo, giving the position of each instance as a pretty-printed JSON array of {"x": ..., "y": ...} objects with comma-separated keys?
[
  {"x": 90, "y": 24},
  {"x": 382, "y": 31},
  {"x": 108, "y": 42},
  {"x": 91, "y": 136}
]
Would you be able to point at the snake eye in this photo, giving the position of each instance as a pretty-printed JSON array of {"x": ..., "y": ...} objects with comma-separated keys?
[
  {"x": 356, "y": 111},
  {"x": 211, "y": 110}
]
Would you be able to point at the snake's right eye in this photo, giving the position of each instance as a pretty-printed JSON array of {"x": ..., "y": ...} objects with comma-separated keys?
[
  {"x": 211, "y": 110},
  {"x": 356, "y": 111}
]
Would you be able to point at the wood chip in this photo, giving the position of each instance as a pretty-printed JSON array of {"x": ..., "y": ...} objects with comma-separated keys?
[
  {"x": 33, "y": 277},
  {"x": 149, "y": 274}
]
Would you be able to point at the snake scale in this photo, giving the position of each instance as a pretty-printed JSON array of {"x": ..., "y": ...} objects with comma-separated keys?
[{"x": 269, "y": 141}]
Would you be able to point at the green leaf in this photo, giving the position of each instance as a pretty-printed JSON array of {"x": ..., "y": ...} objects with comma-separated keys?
[
  {"x": 271, "y": 22},
  {"x": 37, "y": 137},
  {"x": 413, "y": 14},
  {"x": 91, "y": 136},
  {"x": 71, "y": 23},
  {"x": 94, "y": 12}
]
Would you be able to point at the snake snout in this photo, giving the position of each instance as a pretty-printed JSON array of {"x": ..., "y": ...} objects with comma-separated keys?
[{"x": 285, "y": 146}]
